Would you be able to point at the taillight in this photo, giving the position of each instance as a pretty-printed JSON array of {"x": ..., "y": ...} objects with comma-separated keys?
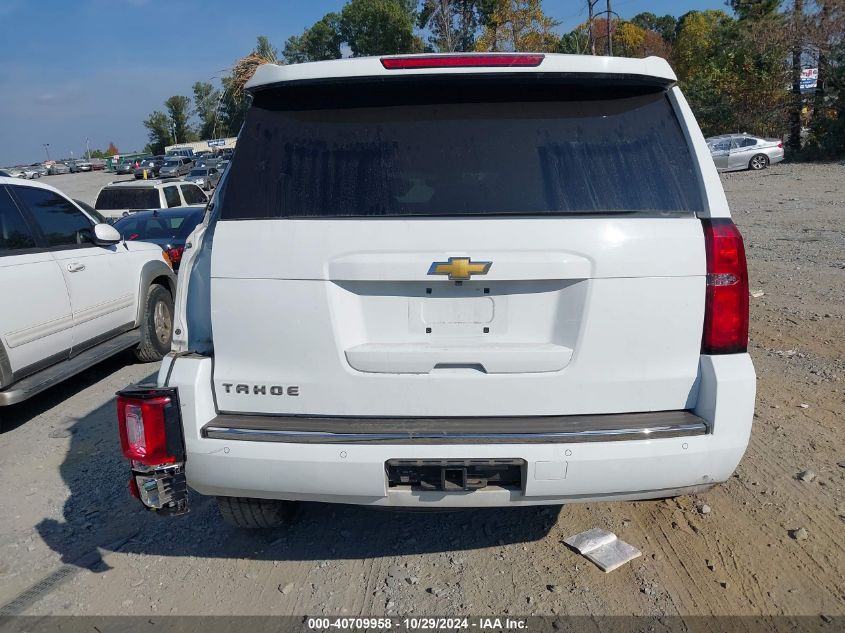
[
  {"x": 462, "y": 61},
  {"x": 726, "y": 305},
  {"x": 176, "y": 254},
  {"x": 150, "y": 432},
  {"x": 780, "y": 145}
]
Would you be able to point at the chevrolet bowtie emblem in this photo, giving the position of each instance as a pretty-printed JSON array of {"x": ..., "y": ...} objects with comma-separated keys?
[{"x": 459, "y": 268}]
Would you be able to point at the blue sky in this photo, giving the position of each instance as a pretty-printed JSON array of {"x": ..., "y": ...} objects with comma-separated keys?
[{"x": 97, "y": 68}]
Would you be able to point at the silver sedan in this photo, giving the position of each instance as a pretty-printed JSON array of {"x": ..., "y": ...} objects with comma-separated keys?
[{"x": 732, "y": 152}]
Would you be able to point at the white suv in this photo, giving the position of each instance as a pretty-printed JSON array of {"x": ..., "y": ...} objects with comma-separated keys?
[
  {"x": 121, "y": 198},
  {"x": 475, "y": 280},
  {"x": 73, "y": 293}
]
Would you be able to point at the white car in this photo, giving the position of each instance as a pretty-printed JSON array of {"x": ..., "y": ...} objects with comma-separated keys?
[
  {"x": 736, "y": 152},
  {"x": 121, "y": 198},
  {"x": 478, "y": 280},
  {"x": 73, "y": 292}
]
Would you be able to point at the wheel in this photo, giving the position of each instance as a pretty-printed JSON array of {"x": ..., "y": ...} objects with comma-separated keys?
[
  {"x": 758, "y": 162},
  {"x": 156, "y": 325},
  {"x": 253, "y": 514}
]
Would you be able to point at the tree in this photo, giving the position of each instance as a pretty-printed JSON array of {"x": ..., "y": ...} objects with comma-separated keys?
[
  {"x": 664, "y": 25},
  {"x": 178, "y": 109},
  {"x": 158, "y": 132},
  {"x": 233, "y": 107},
  {"x": 754, "y": 9},
  {"x": 245, "y": 67},
  {"x": 379, "y": 27},
  {"x": 207, "y": 101},
  {"x": 112, "y": 150},
  {"x": 320, "y": 41},
  {"x": 518, "y": 25},
  {"x": 453, "y": 23}
]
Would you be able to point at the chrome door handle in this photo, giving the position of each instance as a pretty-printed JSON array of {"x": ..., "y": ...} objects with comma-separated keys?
[{"x": 75, "y": 267}]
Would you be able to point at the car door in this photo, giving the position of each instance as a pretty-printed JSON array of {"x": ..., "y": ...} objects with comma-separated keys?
[
  {"x": 35, "y": 322},
  {"x": 720, "y": 151},
  {"x": 736, "y": 158},
  {"x": 103, "y": 293}
]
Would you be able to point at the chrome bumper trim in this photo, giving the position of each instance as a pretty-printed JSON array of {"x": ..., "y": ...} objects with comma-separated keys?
[{"x": 685, "y": 425}]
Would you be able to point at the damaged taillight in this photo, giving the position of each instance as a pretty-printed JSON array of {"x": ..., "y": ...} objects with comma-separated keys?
[
  {"x": 726, "y": 303},
  {"x": 148, "y": 423}
]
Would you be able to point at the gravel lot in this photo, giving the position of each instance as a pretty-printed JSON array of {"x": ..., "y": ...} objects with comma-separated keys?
[{"x": 69, "y": 518}]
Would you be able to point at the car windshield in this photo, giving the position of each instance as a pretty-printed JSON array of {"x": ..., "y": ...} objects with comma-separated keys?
[
  {"x": 199, "y": 172},
  {"x": 171, "y": 163},
  {"x": 467, "y": 149},
  {"x": 172, "y": 226},
  {"x": 127, "y": 198}
]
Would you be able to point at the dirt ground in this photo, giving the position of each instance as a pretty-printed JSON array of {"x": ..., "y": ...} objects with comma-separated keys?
[{"x": 68, "y": 521}]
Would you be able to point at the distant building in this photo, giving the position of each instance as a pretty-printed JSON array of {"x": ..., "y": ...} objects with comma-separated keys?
[{"x": 204, "y": 146}]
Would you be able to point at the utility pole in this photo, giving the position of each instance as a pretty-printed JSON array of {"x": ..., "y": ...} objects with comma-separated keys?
[
  {"x": 609, "y": 38},
  {"x": 47, "y": 149},
  {"x": 591, "y": 38},
  {"x": 87, "y": 148}
]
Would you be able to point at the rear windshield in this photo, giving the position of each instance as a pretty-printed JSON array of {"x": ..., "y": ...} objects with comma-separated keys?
[
  {"x": 460, "y": 149},
  {"x": 127, "y": 198},
  {"x": 172, "y": 226},
  {"x": 198, "y": 172}
]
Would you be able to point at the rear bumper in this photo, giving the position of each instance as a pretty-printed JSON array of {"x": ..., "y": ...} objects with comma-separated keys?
[{"x": 703, "y": 448}]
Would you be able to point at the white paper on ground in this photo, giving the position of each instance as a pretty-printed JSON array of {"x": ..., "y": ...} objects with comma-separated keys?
[
  {"x": 591, "y": 539},
  {"x": 614, "y": 554}
]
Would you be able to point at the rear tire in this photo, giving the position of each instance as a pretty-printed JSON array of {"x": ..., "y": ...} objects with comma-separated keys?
[
  {"x": 758, "y": 162},
  {"x": 254, "y": 514},
  {"x": 156, "y": 325}
]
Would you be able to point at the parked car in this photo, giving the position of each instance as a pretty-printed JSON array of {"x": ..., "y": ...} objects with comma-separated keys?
[
  {"x": 734, "y": 152},
  {"x": 97, "y": 164},
  {"x": 5, "y": 174},
  {"x": 151, "y": 165},
  {"x": 85, "y": 298},
  {"x": 126, "y": 166},
  {"x": 426, "y": 297},
  {"x": 176, "y": 166},
  {"x": 16, "y": 172},
  {"x": 180, "y": 152},
  {"x": 118, "y": 199},
  {"x": 169, "y": 228},
  {"x": 58, "y": 168},
  {"x": 204, "y": 177},
  {"x": 84, "y": 165},
  {"x": 34, "y": 171}
]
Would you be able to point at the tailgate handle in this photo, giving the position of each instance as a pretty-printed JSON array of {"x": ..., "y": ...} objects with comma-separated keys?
[{"x": 423, "y": 358}]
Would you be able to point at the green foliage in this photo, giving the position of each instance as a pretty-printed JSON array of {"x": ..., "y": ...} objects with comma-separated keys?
[
  {"x": 206, "y": 100},
  {"x": 518, "y": 25},
  {"x": 754, "y": 9},
  {"x": 320, "y": 41},
  {"x": 178, "y": 110},
  {"x": 158, "y": 131},
  {"x": 379, "y": 27},
  {"x": 453, "y": 23},
  {"x": 827, "y": 130},
  {"x": 664, "y": 25}
]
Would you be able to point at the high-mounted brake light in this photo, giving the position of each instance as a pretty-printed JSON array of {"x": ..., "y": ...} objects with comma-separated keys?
[
  {"x": 507, "y": 60},
  {"x": 143, "y": 427},
  {"x": 726, "y": 303}
]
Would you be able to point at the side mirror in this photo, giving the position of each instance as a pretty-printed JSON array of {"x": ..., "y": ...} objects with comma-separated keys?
[{"x": 106, "y": 235}]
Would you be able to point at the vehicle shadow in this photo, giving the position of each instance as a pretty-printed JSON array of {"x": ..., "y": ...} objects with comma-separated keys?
[
  {"x": 16, "y": 415},
  {"x": 100, "y": 515}
]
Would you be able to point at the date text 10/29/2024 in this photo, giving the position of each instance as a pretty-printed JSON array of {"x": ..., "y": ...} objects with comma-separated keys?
[{"x": 417, "y": 624}]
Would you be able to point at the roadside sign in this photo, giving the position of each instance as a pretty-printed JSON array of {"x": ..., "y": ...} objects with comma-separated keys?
[
  {"x": 217, "y": 142},
  {"x": 809, "y": 78}
]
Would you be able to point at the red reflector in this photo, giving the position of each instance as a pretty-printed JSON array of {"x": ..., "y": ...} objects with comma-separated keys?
[
  {"x": 133, "y": 488},
  {"x": 780, "y": 145},
  {"x": 461, "y": 61},
  {"x": 142, "y": 431},
  {"x": 176, "y": 254},
  {"x": 726, "y": 302}
]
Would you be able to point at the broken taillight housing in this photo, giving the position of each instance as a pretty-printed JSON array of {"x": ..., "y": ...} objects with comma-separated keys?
[
  {"x": 726, "y": 300},
  {"x": 149, "y": 427}
]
